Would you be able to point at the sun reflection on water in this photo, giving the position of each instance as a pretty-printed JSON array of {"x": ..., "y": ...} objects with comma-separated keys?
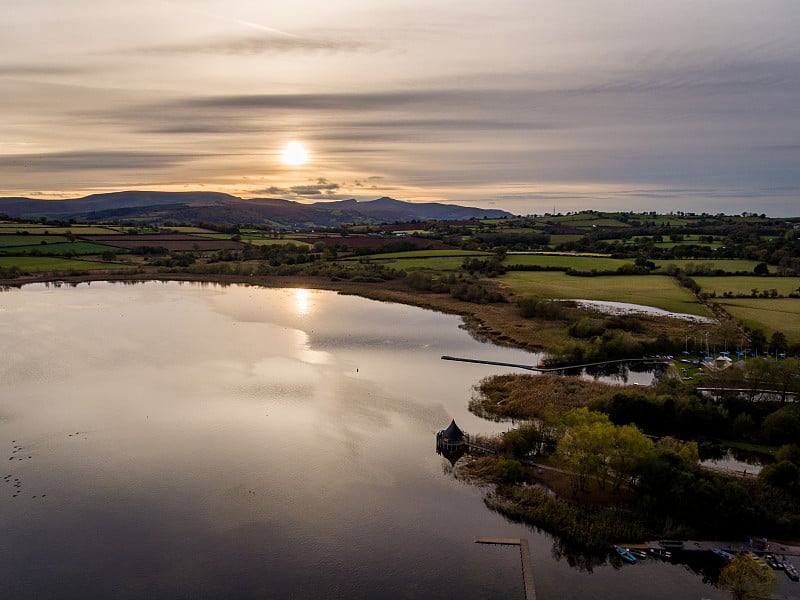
[{"x": 302, "y": 303}]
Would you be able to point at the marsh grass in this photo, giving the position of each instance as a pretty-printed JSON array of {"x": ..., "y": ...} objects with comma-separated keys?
[
  {"x": 589, "y": 527},
  {"x": 534, "y": 396}
]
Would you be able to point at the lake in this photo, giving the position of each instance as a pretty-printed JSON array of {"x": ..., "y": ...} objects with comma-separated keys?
[{"x": 176, "y": 440}]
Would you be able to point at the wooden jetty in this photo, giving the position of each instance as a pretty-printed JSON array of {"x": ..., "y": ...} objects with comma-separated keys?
[
  {"x": 525, "y": 557},
  {"x": 556, "y": 369},
  {"x": 491, "y": 362}
]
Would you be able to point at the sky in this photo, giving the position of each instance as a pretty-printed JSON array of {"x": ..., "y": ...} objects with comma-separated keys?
[{"x": 530, "y": 106}]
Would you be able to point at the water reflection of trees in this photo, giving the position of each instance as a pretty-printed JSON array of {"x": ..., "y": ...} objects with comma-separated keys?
[
  {"x": 705, "y": 565},
  {"x": 717, "y": 452},
  {"x": 578, "y": 557},
  {"x": 617, "y": 371}
]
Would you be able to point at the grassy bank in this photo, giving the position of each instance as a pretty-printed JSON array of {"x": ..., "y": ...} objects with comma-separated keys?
[{"x": 659, "y": 291}]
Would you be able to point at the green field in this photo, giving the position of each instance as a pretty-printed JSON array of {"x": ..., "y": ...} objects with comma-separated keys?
[
  {"x": 727, "y": 265},
  {"x": 415, "y": 254},
  {"x": 8, "y": 240},
  {"x": 578, "y": 263},
  {"x": 663, "y": 220},
  {"x": 273, "y": 242},
  {"x": 687, "y": 243},
  {"x": 435, "y": 263},
  {"x": 409, "y": 231},
  {"x": 212, "y": 234},
  {"x": 649, "y": 290},
  {"x": 79, "y": 248},
  {"x": 585, "y": 223},
  {"x": 770, "y": 315},
  {"x": 517, "y": 230},
  {"x": 256, "y": 238},
  {"x": 38, "y": 229},
  {"x": 414, "y": 260},
  {"x": 745, "y": 284},
  {"x": 563, "y": 238},
  {"x": 191, "y": 230},
  {"x": 35, "y": 264}
]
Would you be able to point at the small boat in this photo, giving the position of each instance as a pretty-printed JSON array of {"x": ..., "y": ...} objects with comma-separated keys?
[
  {"x": 791, "y": 572},
  {"x": 761, "y": 560},
  {"x": 723, "y": 553},
  {"x": 638, "y": 553},
  {"x": 772, "y": 561},
  {"x": 660, "y": 553},
  {"x": 625, "y": 554}
]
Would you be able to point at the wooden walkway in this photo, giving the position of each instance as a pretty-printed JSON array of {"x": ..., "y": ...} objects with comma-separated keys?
[
  {"x": 486, "y": 449},
  {"x": 525, "y": 556},
  {"x": 491, "y": 362},
  {"x": 556, "y": 369}
]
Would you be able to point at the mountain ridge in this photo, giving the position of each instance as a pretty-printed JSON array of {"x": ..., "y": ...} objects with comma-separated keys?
[{"x": 145, "y": 207}]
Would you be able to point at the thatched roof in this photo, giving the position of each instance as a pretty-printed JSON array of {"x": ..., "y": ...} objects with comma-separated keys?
[{"x": 453, "y": 433}]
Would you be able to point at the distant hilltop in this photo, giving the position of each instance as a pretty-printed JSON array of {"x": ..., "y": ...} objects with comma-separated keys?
[{"x": 212, "y": 207}]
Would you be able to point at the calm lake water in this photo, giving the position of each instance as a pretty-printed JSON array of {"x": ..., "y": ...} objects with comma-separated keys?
[{"x": 169, "y": 440}]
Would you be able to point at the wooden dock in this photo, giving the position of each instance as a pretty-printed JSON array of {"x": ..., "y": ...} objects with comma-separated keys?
[
  {"x": 525, "y": 556},
  {"x": 556, "y": 369},
  {"x": 491, "y": 362}
]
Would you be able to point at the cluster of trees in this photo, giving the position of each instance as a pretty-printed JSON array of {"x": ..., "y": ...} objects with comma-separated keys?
[
  {"x": 282, "y": 254},
  {"x": 784, "y": 473},
  {"x": 476, "y": 293},
  {"x": 512, "y": 240},
  {"x": 684, "y": 414},
  {"x": 670, "y": 408},
  {"x": 665, "y": 475},
  {"x": 673, "y": 487},
  {"x": 611, "y": 344},
  {"x": 461, "y": 287},
  {"x": 11, "y": 272},
  {"x": 769, "y": 242},
  {"x": 777, "y": 343},
  {"x": 176, "y": 259},
  {"x": 540, "y": 308},
  {"x": 491, "y": 267},
  {"x": 593, "y": 447},
  {"x": 756, "y": 293},
  {"x": 425, "y": 282},
  {"x": 745, "y": 577}
]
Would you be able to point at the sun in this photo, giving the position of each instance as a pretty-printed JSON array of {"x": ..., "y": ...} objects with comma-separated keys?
[{"x": 294, "y": 154}]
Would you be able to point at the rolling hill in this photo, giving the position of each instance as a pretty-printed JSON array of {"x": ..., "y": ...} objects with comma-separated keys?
[{"x": 144, "y": 207}]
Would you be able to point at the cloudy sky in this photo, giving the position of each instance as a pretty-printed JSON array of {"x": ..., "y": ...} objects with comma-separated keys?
[{"x": 525, "y": 105}]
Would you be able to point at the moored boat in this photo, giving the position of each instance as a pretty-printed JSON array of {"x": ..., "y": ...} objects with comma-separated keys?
[
  {"x": 625, "y": 554},
  {"x": 638, "y": 553},
  {"x": 723, "y": 553},
  {"x": 791, "y": 572},
  {"x": 660, "y": 553},
  {"x": 772, "y": 561}
]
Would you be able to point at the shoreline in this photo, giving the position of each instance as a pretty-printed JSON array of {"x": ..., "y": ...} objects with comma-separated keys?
[
  {"x": 495, "y": 323},
  {"x": 500, "y": 323}
]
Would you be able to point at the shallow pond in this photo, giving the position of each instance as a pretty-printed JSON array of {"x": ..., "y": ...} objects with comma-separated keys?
[
  {"x": 626, "y": 308},
  {"x": 732, "y": 459},
  {"x": 169, "y": 440}
]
